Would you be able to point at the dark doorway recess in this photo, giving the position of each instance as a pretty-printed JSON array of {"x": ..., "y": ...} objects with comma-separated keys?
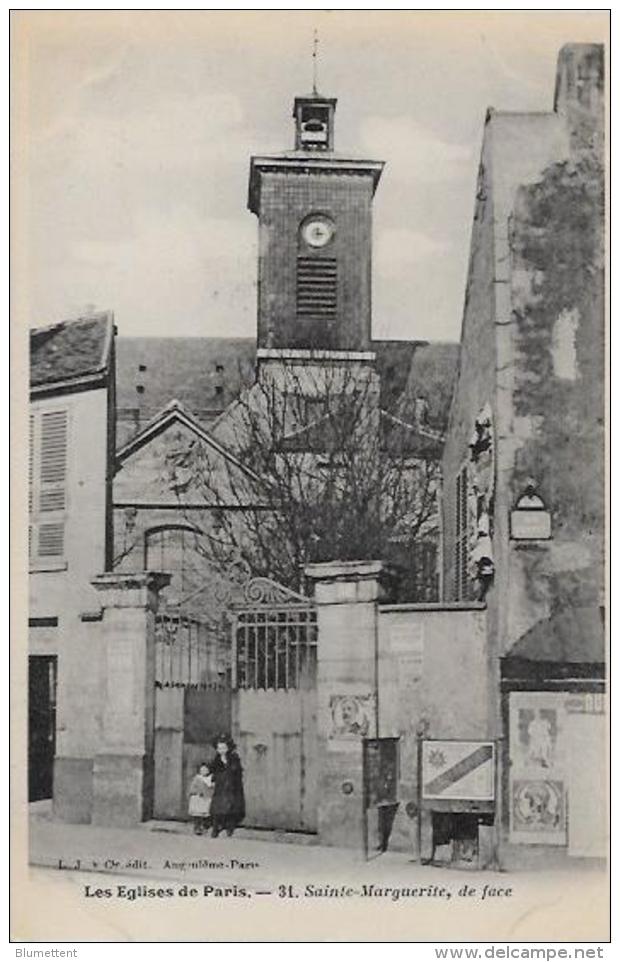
[{"x": 42, "y": 671}]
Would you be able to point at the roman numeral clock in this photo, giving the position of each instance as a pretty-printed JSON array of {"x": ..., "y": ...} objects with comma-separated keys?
[{"x": 314, "y": 210}]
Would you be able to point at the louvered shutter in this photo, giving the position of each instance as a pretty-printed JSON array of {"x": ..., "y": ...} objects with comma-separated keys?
[
  {"x": 31, "y": 427},
  {"x": 317, "y": 286},
  {"x": 462, "y": 538},
  {"x": 53, "y": 461},
  {"x": 49, "y": 483}
]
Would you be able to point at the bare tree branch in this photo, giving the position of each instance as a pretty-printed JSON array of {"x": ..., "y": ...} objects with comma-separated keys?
[{"x": 318, "y": 472}]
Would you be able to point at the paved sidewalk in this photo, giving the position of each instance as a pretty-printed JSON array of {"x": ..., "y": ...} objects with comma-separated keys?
[{"x": 170, "y": 850}]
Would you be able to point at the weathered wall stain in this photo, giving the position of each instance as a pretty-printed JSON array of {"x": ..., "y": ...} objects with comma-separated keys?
[{"x": 557, "y": 243}]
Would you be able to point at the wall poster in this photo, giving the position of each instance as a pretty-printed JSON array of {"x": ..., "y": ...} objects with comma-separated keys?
[{"x": 537, "y": 796}]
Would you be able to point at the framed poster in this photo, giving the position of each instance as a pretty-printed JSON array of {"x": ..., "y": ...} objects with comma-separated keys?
[{"x": 458, "y": 770}]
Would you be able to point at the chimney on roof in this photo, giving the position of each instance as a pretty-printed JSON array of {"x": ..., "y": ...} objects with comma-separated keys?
[{"x": 580, "y": 92}]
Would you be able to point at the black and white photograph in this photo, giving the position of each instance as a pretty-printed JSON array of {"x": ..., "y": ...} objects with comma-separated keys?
[{"x": 310, "y": 348}]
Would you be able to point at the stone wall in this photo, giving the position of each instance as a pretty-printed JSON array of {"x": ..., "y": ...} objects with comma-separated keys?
[
  {"x": 346, "y": 594},
  {"x": 388, "y": 671},
  {"x": 425, "y": 653}
]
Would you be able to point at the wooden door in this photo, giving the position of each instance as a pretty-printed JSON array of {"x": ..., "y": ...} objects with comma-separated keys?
[{"x": 276, "y": 735}]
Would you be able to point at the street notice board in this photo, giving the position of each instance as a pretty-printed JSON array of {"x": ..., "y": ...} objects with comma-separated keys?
[{"x": 463, "y": 770}]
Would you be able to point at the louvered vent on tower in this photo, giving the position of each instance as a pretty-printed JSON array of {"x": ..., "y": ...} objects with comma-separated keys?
[{"x": 317, "y": 280}]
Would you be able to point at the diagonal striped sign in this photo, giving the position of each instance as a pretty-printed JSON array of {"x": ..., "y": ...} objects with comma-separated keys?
[{"x": 455, "y": 769}]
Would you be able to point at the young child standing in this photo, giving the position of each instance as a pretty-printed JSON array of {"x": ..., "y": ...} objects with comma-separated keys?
[{"x": 200, "y": 794}]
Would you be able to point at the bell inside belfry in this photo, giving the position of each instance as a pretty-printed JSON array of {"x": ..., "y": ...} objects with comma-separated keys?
[{"x": 315, "y": 126}]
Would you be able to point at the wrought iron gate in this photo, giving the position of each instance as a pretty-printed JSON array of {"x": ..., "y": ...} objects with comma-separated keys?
[
  {"x": 239, "y": 654},
  {"x": 274, "y": 705}
]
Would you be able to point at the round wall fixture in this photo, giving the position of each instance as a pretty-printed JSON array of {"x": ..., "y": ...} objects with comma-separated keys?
[{"x": 347, "y": 788}]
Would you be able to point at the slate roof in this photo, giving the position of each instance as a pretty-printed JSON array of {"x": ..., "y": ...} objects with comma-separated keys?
[
  {"x": 71, "y": 350},
  {"x": 432, "y": 375},
  {"x": 393, "y": 364},
  {"x": 573, "y": 636},
  {"x": 412, "y": 440},
  {"x": 205, "y": 374}
]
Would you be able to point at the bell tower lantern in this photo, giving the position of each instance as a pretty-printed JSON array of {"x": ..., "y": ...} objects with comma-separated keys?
[
  {"x": 314, "y": 122},
  {"x": 314, "y": 210}
]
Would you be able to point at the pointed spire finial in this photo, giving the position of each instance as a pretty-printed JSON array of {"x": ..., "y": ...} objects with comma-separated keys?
[{"x": 315, "y": 48}]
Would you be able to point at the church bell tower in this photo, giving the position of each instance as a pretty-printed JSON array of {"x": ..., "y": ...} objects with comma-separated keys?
[{"x": 314, "y": 210}]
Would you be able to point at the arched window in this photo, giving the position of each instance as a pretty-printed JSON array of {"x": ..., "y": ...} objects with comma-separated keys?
[{"x": 176, "y": 549}]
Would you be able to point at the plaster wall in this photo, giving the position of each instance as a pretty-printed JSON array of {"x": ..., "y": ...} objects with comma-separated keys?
[
  {"x": 516, "y": 150},
  {"x": 475, "y": 384},
  {"x": 524, "y": 145},
  {"x": 62, "y": 590}
]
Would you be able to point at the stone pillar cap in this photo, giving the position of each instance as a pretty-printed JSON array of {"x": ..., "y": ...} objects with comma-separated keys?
[{"x": 344, "y": 570}]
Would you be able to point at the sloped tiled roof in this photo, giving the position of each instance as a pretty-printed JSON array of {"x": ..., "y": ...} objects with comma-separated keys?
[
  {"x": 324, "y": 435},
  {"x": 207, "y": 373},
  {"x": 204, "y": 373},
  {"x": 393, "y": 365},
  {"x": 573, "y": 636},
  {"x": 432, "y": 375},
  {"x": 71, "y": 349}
]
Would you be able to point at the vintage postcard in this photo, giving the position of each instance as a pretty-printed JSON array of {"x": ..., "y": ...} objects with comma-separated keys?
[{"x": 309, "y": 344}]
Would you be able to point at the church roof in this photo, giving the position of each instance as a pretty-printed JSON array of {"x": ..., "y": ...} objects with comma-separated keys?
[
  {"x": 432, "y": 376},
  {"x": 410, "y": 440},
  {"x": 71, "y": 351},
  {"x": 205, "y": 374}
]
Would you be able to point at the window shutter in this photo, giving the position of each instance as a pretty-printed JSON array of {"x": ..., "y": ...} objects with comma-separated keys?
[
  {"x": 48, "y": 483},
  {"x": 462, "y": 538},
  {"x": 32, "y": 534},
  {"x": 31, "y": 465},
  {"x": 53, "y": 461},
  {"x": 51, "y": 540}
]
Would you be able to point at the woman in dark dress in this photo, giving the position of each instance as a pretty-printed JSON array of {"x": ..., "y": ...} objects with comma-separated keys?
[{"x": 228, "y": 802}]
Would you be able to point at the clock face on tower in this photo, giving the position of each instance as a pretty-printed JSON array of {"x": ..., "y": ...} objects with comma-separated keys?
[{"x": 317, "y": 230}]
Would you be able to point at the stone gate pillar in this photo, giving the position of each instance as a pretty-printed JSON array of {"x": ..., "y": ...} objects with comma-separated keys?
[
  {"x": 346, "y": 593},
  {"x": 123, "y": 765}
]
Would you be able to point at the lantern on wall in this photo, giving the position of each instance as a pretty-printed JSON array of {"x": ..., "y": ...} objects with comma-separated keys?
[{"x": 530, "y": 520}]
